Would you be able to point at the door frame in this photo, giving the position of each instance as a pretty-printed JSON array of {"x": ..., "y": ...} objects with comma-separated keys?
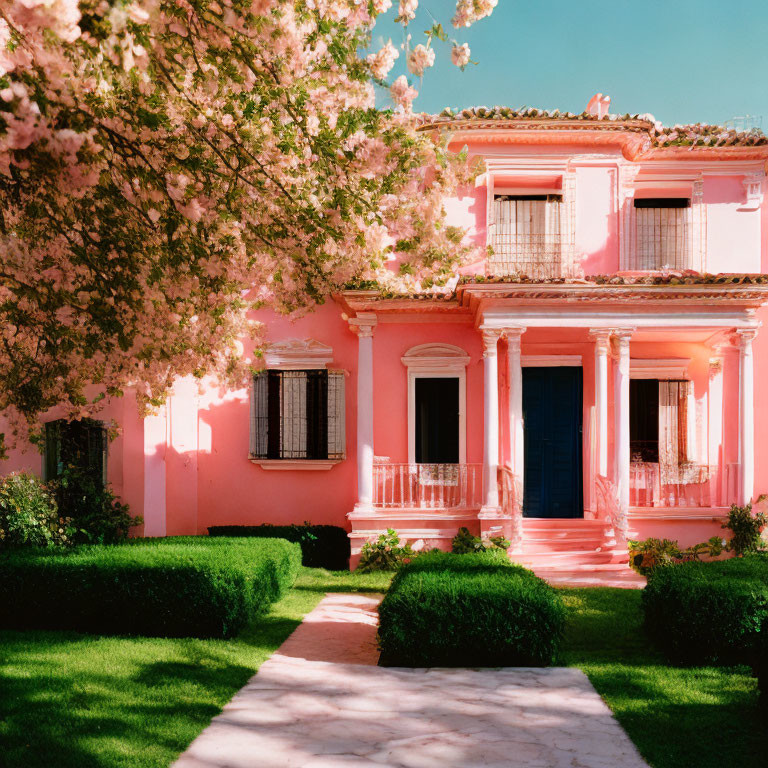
[{"x": 436, "y": 361}]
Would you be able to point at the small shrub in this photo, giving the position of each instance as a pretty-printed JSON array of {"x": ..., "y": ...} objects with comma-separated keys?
[
  {"x": 469, "y": 610},
  {"x": 709, "y": 613},
  {"x": 747, "y": 527},
  {"x": 96, "y": 516},
  {"x": 322, "y": 546},
  {"x": 185, "y": 587},
  {"x": 465, "y": 543},
  {"x": 384, "y": 554},
  {"x": 648, "y": 554},
  {"x": 29, "y": 515}
]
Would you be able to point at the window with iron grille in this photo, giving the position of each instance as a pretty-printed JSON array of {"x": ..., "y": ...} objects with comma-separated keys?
[
  {"x": 663, "y": 234},
  {"x": 79, "y": 444},
  {"x": 298, "y": 415},
  {"x": 527, "y": 235}
]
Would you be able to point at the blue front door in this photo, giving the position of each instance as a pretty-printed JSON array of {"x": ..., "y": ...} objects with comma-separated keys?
[{"x": 552, "y": 407}]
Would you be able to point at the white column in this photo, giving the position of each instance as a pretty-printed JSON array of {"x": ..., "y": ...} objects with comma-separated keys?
[
  {"x": 746, "y": 416},
  {"x": 516, "y": 432},
  {"x": 602, "y": 341},
  {"x": 363, "y": 326},
  {"x": 715, "y": 453},
  {"x": 621, "y": 395},
  {"x": 490, "y": 420}
]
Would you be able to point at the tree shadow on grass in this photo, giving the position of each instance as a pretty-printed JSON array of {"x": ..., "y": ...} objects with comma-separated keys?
[{"x": 677, "y": 716}]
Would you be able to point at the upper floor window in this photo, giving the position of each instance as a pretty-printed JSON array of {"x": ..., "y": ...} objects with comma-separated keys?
[
  {"x": 80, "y": 445},
  {"x": 298, "y": 414},
  {"x": 527, "y": 235},
  {"x": 663, "y": 234}
]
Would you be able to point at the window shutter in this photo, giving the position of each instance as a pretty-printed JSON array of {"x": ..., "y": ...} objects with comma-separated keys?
[
  {"x": 274, "y": 380},
  {"x": 317, "y": 414},
  {"x": 259, "y": 415},
  {"x": 336, "y": 415}
]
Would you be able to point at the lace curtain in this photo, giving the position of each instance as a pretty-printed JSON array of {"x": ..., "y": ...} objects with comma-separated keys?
[{"x": 675, "y": 452}]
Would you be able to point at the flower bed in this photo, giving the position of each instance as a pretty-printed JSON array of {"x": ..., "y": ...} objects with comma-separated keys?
[
  {"x": 185, "y": 587},
  {"x": 709, "y": 613},
  {"x": 469, "y": 610}
]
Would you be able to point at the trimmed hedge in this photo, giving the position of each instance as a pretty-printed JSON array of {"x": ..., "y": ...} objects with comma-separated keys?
[
  {"x": 322, "y": 546},
  {"x": 469, "y": 610},
  {"x": 709, "y": 613},
  {"x": 185, "y": 587}
]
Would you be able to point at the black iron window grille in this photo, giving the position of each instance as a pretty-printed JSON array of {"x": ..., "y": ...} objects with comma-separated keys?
[{"x": 298, "y": 415}]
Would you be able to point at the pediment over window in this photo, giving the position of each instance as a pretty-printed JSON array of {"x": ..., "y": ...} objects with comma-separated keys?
[
  {"x": 436, "y": 356},
  {"x": 298, "y": 354}
]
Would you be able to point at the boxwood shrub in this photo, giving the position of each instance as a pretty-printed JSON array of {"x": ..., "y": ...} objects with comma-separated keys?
[
  {"x": 186, "y": 587},
  {"x": 322, "y": 546},
  {"x": 709, "y": 613},
  {"x": 469, "y": 610}
]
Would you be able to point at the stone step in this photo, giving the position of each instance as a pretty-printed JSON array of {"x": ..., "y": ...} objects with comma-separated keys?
[
  {"x": 574, "y": 557},
  {"x": 562, "y": 544}
]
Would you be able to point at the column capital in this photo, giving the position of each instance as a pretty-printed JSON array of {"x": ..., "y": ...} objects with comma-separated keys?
[
  {"x": 491, "y": 338},
  {"x": 513, "y": 336},
  {"x": 363, "y": 324},
  {"x": 744, "y": 337},
  {"x": 602, "y": 339}
]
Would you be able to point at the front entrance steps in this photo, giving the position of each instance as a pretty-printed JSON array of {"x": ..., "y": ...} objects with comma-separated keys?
[{"x": 574, "y": 553}]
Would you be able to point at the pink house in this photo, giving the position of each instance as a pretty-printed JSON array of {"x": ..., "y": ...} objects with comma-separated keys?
[{"x": 596, "y": 377}]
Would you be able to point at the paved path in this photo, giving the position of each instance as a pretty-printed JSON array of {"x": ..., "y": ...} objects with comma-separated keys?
[{"x": 320, "y": 702}]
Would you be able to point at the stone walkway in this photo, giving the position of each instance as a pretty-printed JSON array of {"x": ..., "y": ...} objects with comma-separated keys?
[{"x": 321, "y": 702}]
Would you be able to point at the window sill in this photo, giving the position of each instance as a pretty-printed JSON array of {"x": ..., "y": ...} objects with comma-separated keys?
[{"x": 296, "y": 464}]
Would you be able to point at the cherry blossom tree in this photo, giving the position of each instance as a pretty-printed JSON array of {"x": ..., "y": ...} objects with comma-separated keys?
[{"x": 168, "y": 166}]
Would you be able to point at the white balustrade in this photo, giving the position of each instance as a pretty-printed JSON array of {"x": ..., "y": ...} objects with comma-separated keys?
[
  {"x": 689, "y": 485},
  {"x": 427, "y": 486}
]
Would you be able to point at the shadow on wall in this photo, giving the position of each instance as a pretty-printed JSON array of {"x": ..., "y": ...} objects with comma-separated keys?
[{"x": 204, "y": 477}]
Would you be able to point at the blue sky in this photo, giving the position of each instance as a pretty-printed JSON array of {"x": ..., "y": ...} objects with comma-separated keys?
[{"x": 681, "y": 60}]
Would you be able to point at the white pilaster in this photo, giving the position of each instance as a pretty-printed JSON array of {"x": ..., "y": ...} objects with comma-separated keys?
[
  {"x": 746, "y": 415},
  {"x": 490, "y": 420},
  {"x": 602, "y": 342},
  {"x": 621, "y": 395},
  {"x": 363, "y": 326},
  {"x": 515, "y": 370}
]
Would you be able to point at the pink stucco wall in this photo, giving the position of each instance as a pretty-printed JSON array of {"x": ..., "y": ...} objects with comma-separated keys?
[{"x": 187, "y": 467}]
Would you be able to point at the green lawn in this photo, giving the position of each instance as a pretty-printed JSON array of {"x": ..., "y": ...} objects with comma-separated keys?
[
  {"x": 76, "y": 700},
  {"x": 81, "y": 701},
  {"x": 703, "y": 716}
]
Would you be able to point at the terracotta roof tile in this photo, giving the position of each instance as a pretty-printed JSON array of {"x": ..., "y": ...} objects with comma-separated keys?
[{"x": 693, "y": 135}]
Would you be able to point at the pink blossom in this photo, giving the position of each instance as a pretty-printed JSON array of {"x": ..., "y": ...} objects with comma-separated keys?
[
  {"x": 470, "y": 11},
  {"x": 406, "y": 10},
  {"x": 419, "y": 59},
  {"x": 460, "y": 55},
  {"x": 402, "y": 93},
  {"x": 382, "y": 61}
]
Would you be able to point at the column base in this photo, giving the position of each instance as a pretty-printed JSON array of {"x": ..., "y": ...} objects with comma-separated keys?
[
  {"x": 491, "y": 513},
  {"x": 362, "y": 509}
]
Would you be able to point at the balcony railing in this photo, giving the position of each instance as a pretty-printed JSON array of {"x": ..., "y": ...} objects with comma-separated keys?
[
  {"x": 427, "y": 486},
  {"x": 690, "y": 485},
  {"x": 539, "y": 257}
]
